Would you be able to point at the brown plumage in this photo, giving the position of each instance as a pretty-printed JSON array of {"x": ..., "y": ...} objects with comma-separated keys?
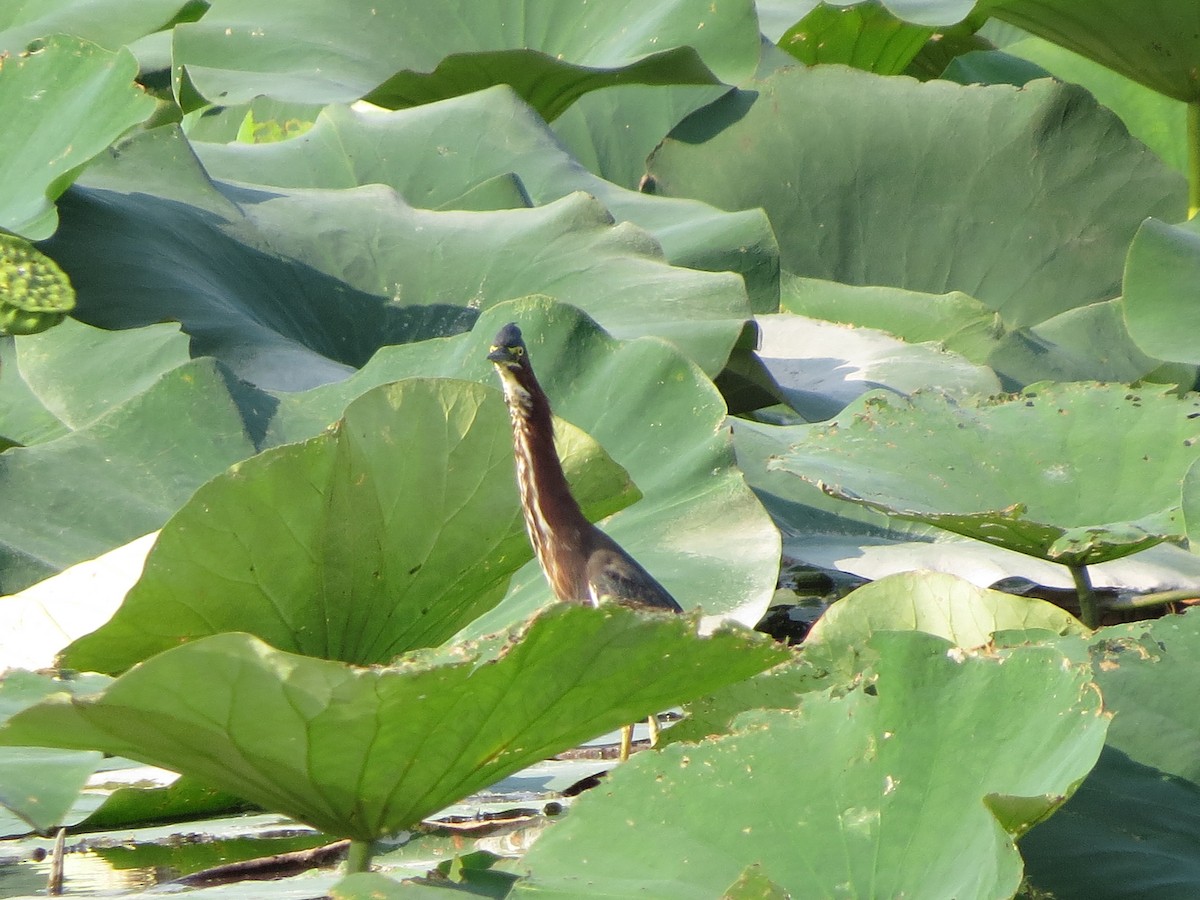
[{"x": 581, "y": 562}]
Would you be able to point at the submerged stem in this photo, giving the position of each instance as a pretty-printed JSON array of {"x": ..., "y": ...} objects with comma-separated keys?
[
  {"x": 1089, "y": 603},
  {"x": 1158, "y": 598},
  {"x": 359, "y": 857}
]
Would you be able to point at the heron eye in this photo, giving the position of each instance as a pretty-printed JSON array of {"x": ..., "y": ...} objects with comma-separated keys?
[{"x": 518, "y": 351}]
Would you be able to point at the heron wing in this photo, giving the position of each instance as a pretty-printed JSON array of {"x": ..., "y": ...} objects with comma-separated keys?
[{"x": 619, "y": 577}]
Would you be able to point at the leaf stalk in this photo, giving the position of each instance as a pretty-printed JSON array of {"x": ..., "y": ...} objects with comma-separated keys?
[
  {"x": 359, "y": 857},
  {"x": 1089, "y": 603},
  {"x": 1149, "y": 601}
]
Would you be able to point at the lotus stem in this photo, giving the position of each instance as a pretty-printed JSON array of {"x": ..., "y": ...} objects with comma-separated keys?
[
  {"x": 1193, "y": 151},
  {"x": 1089, "y": 603},
  {"x": 54, "y": 886},
  {"x": 1149, "y": 601},
  {"x": 359, "y": 857}
]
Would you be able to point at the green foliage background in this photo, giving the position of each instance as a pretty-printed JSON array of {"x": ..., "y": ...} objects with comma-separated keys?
[{"x": 931, "y": 257}]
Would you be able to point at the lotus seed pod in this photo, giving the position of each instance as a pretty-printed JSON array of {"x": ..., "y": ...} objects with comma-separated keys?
[{"x": 34, "y": 292}]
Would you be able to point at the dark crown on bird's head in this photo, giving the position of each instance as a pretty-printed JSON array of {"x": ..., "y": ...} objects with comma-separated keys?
[{"x": 508, "y": 347}]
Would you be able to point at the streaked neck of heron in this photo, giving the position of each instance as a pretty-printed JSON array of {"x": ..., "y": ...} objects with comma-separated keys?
[{"x": 555, "y": 523}]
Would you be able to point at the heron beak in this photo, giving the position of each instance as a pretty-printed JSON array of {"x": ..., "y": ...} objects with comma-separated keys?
[{"x": 501, "y": 355}]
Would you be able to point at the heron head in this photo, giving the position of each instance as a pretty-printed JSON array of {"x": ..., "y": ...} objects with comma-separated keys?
[{"x": 508, "y": 349}]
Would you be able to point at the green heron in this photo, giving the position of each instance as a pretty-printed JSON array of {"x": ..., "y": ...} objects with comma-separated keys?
[{"x": 581, "y": 562}]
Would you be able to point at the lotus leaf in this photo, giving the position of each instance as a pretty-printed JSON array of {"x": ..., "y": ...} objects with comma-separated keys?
[
  {"x": 699, "y": 529},
  {"x": 819, "y": 367},
  {"x": 933, "y": 603},
  {"x": 1156, "y": 119},
  {"x": 1136, "y": 812},
  {"x": 40, "y": 785},
  {"x": 955, "y": 321},
  {"x": 852, "y": 794},
  {"x": 482, "y": 137},
  {"x": 388, "y": 532},
  {"x": 847, "y": 164},
  {"x": 410, "y": 53},
  {"x": 1139, "y": 668},
  {"x": 288, "y": 306},
  {"x": 1161, "y": 273},
  {"x": 613, "y": 130},
  {"x": 119, "y": 477},
  {"x": 364, "y": 752},
  {"x": 969, "y": 468},
  {"x": 1129, "y": 831},
  {"x": 865, "y": 36},
  {"x": 73, "y": 99},
  {"x": 109, "y": 23},
  {"x": 70, "y": 370},
  {"x": 1154, "y": 43},
  {"x": 776, "y": 15},
  {"x": 25, "y": 420}
]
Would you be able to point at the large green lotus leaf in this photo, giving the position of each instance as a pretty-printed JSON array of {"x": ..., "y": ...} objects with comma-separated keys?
[
  {"x": 865, "y": 36},
  {"x": 1157, "y": 120},
  {"x": 612, "y": 131},
  {"x": 777, "y": 16},
  {"x": 934, "y": 603},
  {"x": 1136, "y": 812},
  {"x": 388, "y": 532},
  {"x": 131, "y": 807},
  {"x": 819, "y": 367},
  {"x": 487, "y": 135},
  {"x": 954, "y": 321},
  {"x": 1129, "y": 831},
  {"x": 1153, "y": 42},
  {"x": 70, "y": 368},
  {"x": 991, "y": 66},
  {"x": 289, "y": 306},
  {"x": 24, "y": 419},
  {"x": 782, "y": 687},
  {"x": 698, "y": 529},
  {"x": 119, "y": 477},
  {"x": 1088, "y": 343},
  {"x": 109, "y": 23},
  {"x": 408, "y": 53},
  {"x": 39, "y": 785},
  {"x": 828, "y": 533},
  {"x": 1161, "y": 273},
  {"x": 367, "y": 752},
  {"x": 72, "y": 99},
  {"x": 852, "y": 170},
  {"x": 928, "y": 780},
  {"x": 972, "y": 469},
  {"x": 809, "y": 519},
  {"x": 1139, "y": 667}
]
